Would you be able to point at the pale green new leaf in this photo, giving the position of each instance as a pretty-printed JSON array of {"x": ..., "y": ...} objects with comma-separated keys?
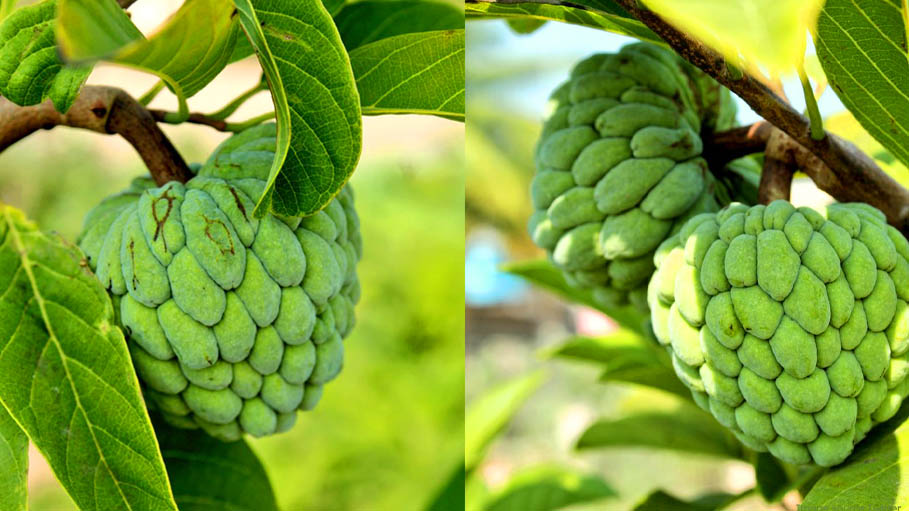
[
  {"x": 609, "y": 20},
  {"x": 767, "y": 33},
  {"x": 548, "y": 488},
  {"x": 862, "y": 48},
  {"x": 683, "y": 429},
  {"x": 419, "y": 73},
  {"x": 13, "y": 464},
  {"x": 317, "y": 107},
  {"x": 66, "y": 376},
  {"x": 542, "y": 273},
  {"x": 187, "y": 52},
  {"x": 30, "y": 70},
  {"x": 875, "y": 473},
  {"x": 364, "y": 22},
  {"x": 211, "y": 475},
  {"x": 489, "y": 413}
]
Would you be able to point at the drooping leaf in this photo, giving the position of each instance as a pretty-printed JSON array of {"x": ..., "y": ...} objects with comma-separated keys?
[
  {"x": 13, "y": 464},
  {"x": 772, "y": 479},
  {"x": 187, "y": 52},
  {"x": 684, "y": 429},
  {"x": 543, "y": 274},
  {"x": 548, "y": 488},
  {"x": 873, "y": 473},
  {"x": 767, "y": 33},
  {"x": 371, "y": 20},
  {"x": 316, "y": 103},
  {"x": 419, "y": 73},
  {"x": 862, "y": 48},
  {"x": 605, "y": 17},
  {"x": 66, "y": 375},
  {"x": 662, "y": 501},
  {"x": 211, "y": 475},
  {"x": 489, "y": 413},
  {"x": 30, "y": 70},
  {"x": 524, "y": 26},
  {"x": 451, "y": 496}
]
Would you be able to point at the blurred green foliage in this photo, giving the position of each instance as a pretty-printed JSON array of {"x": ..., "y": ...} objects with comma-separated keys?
[{"x": 389, "y": 430}]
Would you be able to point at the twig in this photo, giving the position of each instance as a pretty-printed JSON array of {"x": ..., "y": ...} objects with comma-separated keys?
[
  {"x": 846, "y": 163},
  {"x": 724, "y": 146},
  {"x": 206, "y": 120},
  {"x": 232, "y": 107},
  {"x": 106, "y": 110},
  {"x": 126, "y": 3},
  {"x": 779, "y": 167}
]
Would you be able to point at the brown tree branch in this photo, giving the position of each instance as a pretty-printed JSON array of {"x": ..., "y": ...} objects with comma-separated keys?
[
  {"x": 106, "y": 110},
  {"x": 126, "y": 3},
  {"x": 779, "y": 167},
  {"x": 724, "y": 146},
  {"x": 849, "y": 168}
]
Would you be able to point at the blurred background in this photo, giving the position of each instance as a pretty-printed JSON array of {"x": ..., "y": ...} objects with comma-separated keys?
[
  {"x": 388, "y": 432},
  {"x": 512, "y": 327}
]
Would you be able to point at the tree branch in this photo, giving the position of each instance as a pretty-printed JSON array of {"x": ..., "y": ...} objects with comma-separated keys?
[
  {"x": 106, "y": 110},
  {"x": 850, "y": 170},
  {"x": 779, "y": 167},
  {"x": 126, "y": 3}
]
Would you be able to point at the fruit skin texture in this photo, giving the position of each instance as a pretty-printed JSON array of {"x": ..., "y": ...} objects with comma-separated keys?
[
  {"x": 234, "y": 323},
  {"x": 789, "y": 325},
  {"x": 619, "y": 166}
]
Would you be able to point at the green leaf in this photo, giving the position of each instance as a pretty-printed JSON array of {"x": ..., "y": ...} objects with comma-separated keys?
[
  {"x": 187, "y": 52},
  {"x": 66, "y": 375},
  {"x": 371, "y": 20},
  {"x": 30, "y": 70},
  {"x": 767, "y": 33},
  {"x": 13, "y": 464},
  {"x": 543, "y": 274},
  {"x": 451, "y": 496},
  {"x": 488, "y": 414},
  {"x": 316, "y": 103},
  {"x": 211, "y": 475},
  {"x": 684, "y": 429},
  {"x": 772, "y": 479},
  {"x": 548, "y": 488},
  {"x": 609, "y": 18},
  {"x": 412, "y": 74},
  {"x": 862, "y": 48},
  {"x": 662, "y": 501},
  {"x": 333, "y": 6},
  {"x": 873, "y": 473}
]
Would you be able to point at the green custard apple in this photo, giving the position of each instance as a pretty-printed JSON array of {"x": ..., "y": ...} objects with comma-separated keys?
[
  {"x": 790, "y": 325},
  {"x": 234, "y": 323},
  {"x": 619, "y": 166}
]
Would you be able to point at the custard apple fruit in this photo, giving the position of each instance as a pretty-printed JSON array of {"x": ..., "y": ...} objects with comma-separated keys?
[
  {"x": 790, "y": 325},
  {"x": 619, "y": 166},
  {"x": 234, "y": 323}
]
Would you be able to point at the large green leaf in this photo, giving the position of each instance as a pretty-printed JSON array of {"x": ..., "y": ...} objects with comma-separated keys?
[
  {"x": 419, "y": 73},
  {"x": 489, "y": 413},
  {"x": 30, "y": 70},
  {"x": 316, "y": 103},
  {"x": 6, "y": 7},
  {"x": 13, "y": 464},
  {"x": 364, "y": 22},
  {"x": 66, "y": 375},
  {"x": 875, "y": 473},
  {"x": 607, "y": 18},
  {"x": 211, "y": 475},
  {"x": 767, "y": 33},
  {"x": 542, "y": 273},
  {"x": 187, "y": 52},
  {"x": 684, "y": 429},
  {"x": 862, "y": 48},
  {"x": 548, "y": 488}
]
